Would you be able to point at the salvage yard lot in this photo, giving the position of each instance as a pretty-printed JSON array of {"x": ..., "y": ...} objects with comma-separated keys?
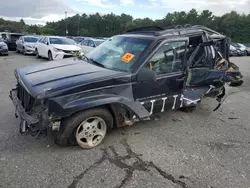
[{"x": 180, "y": 149}]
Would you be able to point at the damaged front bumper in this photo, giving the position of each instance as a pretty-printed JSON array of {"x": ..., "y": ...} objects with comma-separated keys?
[{"x": 33, "y": 122}]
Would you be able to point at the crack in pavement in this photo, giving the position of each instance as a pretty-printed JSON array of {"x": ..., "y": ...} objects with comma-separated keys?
[{"x": 119, "y": 161}]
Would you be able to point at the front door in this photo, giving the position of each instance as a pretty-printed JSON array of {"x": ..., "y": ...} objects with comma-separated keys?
[{"x": 166, "y": 93}]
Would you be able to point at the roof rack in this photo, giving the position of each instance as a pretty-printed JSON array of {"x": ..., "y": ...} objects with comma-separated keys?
[
  {"x": 174, "y": 30},
  {"x": 208, "y": 30}
]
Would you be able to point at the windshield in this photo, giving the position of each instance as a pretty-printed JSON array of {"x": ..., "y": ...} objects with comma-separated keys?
[
  {"x": 119, "y": 52},
  {"x": 30, "y": 39},
  {"x": 62, "y": 41},
  {"x": 98, "y": 42}
]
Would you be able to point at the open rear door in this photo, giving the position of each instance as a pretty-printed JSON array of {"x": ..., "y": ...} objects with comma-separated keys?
[{"x": 204, "y": 77}]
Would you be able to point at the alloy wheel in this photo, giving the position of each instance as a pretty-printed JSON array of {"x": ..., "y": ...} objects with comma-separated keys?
[{"x": 91, "y": 132}]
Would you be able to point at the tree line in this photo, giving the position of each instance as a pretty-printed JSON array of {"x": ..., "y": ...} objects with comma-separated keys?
[{"x": 234, "y": 25}]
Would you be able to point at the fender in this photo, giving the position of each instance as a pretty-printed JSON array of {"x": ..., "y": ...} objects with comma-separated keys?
[{"x": 59, "y": 108}]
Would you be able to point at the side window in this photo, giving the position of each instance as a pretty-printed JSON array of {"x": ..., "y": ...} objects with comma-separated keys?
[
  {"x": 168, "y": 58},
  {"x": 91, "y": 43},
  {"x": 45, "y": 40}
]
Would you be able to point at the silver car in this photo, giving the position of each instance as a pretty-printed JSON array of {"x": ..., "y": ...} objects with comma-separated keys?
[
  {"x": 89, "y": 44},
  {"x": 26, "y": 44},
  {"x": 3, "y": 48}
]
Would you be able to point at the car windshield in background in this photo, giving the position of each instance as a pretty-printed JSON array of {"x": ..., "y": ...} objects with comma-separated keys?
[
  {"x": 119, "y": 53},
  {"x": 30, "y": 39},
  {"x": 63, "y": 41},
  {"x": 98, "y": 42}
]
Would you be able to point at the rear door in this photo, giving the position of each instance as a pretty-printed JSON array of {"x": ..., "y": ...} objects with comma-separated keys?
[
  {"x": 38, "y": 45},
  {"x": 167, "y": 61},
  {"x": 204, "y": 78}
]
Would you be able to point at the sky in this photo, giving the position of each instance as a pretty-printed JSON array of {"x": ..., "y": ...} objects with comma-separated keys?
[{"x": 39, "y": 12}]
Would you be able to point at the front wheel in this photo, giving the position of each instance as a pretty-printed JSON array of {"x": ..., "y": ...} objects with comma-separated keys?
[
  {"x": 37, "y": 54},
  {"x": 50, "y": 57},
  {"x": 88, "y": 128},
  {"x": 24, "y": 51}
]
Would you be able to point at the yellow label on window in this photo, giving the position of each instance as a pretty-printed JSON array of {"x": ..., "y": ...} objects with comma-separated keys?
[{"x": 127, "y": 57}]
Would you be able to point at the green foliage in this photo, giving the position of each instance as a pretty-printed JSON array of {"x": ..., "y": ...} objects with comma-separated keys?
[{"x": 232, "y": 24}]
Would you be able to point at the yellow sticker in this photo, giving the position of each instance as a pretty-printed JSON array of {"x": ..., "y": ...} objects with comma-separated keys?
[{"x": 127, "y": 57}]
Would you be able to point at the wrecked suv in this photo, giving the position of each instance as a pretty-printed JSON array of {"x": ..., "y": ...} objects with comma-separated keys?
[{"x": 130, "y": 77}]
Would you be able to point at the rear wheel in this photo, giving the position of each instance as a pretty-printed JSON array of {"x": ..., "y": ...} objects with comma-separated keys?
[
  {"x": 87, "y": 129},
  {"x": 50, "y": 57},
  {"x": 37, "y": 54}
]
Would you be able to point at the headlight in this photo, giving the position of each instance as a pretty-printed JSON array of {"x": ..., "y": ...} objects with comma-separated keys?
[{"x": 56, "y": 50}]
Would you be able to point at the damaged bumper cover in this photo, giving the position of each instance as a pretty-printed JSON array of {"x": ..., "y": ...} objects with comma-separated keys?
[{"x": 30, "y": 122}]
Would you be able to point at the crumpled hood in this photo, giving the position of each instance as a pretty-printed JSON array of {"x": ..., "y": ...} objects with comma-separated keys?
[{"x": 58, "y": 76}]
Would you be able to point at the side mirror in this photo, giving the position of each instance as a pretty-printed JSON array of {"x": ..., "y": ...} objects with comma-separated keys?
[
  {"x": 47, "y": 43},
  {"x": 146, "y": 75}
]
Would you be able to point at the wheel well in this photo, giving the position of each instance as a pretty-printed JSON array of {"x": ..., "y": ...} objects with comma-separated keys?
[{"x": 119, "y": 112}]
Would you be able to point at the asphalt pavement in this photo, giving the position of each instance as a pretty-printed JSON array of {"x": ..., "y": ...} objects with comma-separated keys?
[{"x": 199, "y": 149}]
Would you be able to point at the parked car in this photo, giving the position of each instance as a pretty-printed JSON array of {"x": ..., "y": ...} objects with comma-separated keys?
[
  {"x": 248, "y": 48},
  {"x": 128, "y": 78},
  {"x": 234, "y": 52},
  {"x": 54, "y": 47},
  {"x": 89, "y": 44},
  {"x": 10, "y": 39},
  {"x": 243, "y": 48},
  {"x": 3, "y": 48},
  {"x": 241, "y": 51},
  {"x": 26, "y": 44}
]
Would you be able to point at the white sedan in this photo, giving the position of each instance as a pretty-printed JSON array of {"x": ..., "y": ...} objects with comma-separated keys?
[{"x": 55, "y": 48}]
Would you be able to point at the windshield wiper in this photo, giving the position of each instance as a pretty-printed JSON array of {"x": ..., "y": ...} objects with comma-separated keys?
[{"x": 95, "y": 62}]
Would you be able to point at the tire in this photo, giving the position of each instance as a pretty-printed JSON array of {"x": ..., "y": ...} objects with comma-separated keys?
[
  {"x": 37, "y": 54},
  {"x": 24, "y": 53},
  {"x": 69, "y": 129},
  {"x": 50, "y": 57}
]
